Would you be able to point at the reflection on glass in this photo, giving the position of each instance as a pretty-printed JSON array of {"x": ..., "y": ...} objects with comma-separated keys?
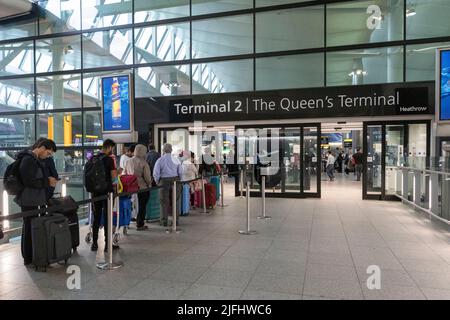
[
  {"x": 16, "y": 130},
  {"x": 265, "y": 3},
  {"x": 222, "y": 36},
  {"x": 206, "y": 7},
  {"x": 374, "y": 152},
  {"x": 92, "y": 133},
  {"x": 107, "y": 48},
  {"x": 356, "y": 22},
  {"x": 155, "y": 10},
  {"x": 16, "y": 95},
  {"x": 294, "y": 71},
  {"x": 16, "y": 58},
  {"x": 290, "y": 29},
  {"x": 365, "y": 66},
  {"x": 162, "y": 43},
  {"x": 427, "y": 18},
  {"x": 57, "y": 54},
  {"x": 219, "y": 77},
  {"x": 421, "y": 61},
  {"x": 291, "y": 159},
  {"x": 59, "y": 92},
  {"x": 60, "y": 16},
  {"x": 310, "y": 158},
  {"x": 63, "y": 127},
  {"x": 394, "y": 155},
  {"x": 13, "y": 29},
  {"x": 100, "y": 13},
  {"x": 162, "y": 81}
]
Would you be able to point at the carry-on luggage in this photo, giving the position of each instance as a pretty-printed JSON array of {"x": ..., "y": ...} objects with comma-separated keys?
[
  {"x": 152, "y": 212},
  {"x": 129, "y": 183},
  {"x": 185, "y": 200},
  {"x": 52, "y": 240},
  {"x": 69, "y": 209},
  {"x": 215, "y": 180},
  {"x": 210, "y": 195},
  {"x": 124, "y": 213}
]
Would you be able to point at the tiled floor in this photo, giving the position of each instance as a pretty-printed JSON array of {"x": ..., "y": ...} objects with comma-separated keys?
[{"x": 310, "y": 249}]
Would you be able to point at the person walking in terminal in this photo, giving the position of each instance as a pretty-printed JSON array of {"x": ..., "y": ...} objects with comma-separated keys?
[
  {"x": 139, "y": 167},
  {"x": 167, "y": 170},
  {"x": 101, "y": 207},
  {"x": 358, "y": 159},
  {"x": 35, "y": 182},
  {"x": 152, "y": 157},
  {"x": 330, "y": 165}
]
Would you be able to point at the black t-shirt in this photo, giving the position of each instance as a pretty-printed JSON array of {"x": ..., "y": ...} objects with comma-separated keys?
[
  {"x": 110, "y": 165},
  {"x": 358, "y": 158}
]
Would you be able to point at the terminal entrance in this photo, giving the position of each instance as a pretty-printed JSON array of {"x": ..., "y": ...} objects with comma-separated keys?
[{"x": 294, "y": 155}]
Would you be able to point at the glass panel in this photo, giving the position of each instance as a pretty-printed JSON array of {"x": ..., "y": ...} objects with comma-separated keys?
[
  {"x": 162, "y": 43},
  {"x": 57, "y": 54},
  {"x": 310, "y": 158},
  {"x": 12, "y": 29},
  {"x": 92, "y": 128},
  {"x": 291, "y": 159},
  {"x": 159, "y": 10},
  {"x": 92, "y": 87},
  {"x": 364, "y": 22},
  {"x": 374, "y": 145},
  {"x": 290, "y": 29},
  {"x": 16, "y": 58},
  {"x": 265, "y": 3},
  {"x": 107, "y": 48},
  {"x": 162, "y": 81},
  {"x": 62, "y": 128},
  {"x": 179, "y": 139},
  {"x": 206, "y": 7},
  {"x": 427, "y": 18},
  {"x": 421, "y": 61},
  {"x": 17, "y": 130},
  {"x": 219, "y": 77},
  {"x": 101, "y": 13},
  {"x": 69, "y": 162},
  {"x": 395, "y": 135},
  {"x": 60, "y": 16},
  {"x": 417, "y": 145},
  {"x": 366, "y": 66},
  {"x": 16, "y": 95},
  {"x": 285, "y": 72},
  {"x": 59, "y": 92},
  {"x": 222, "y": 36}
]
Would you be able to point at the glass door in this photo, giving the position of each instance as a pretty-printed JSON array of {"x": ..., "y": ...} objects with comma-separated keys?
[
  {"x": 311, "y": 160},
  {"x": 395, "y": 141},
  {"x": 291, "y": 160},
  {"x": 373, "y": 152}
]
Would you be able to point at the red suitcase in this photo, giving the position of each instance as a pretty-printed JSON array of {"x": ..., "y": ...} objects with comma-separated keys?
[{"x": 210, "y": 195}]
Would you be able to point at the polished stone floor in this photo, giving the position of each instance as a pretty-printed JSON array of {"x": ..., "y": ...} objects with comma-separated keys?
[{"x": 310, "y": 249}]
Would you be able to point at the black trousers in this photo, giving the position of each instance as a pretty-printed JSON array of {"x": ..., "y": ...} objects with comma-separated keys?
[
  {"x": 26, "y": 243},
  {"x": 143, "y": 198},
  {"x": 100, "y": 210}
]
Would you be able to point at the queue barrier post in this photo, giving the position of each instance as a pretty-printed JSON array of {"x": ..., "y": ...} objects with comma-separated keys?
[
  {"x": 263, "y": 200},
  {"x": 248, "y": 231},
  {"x": 109, "y": 264},
  {"x": 221, "y": 192}
]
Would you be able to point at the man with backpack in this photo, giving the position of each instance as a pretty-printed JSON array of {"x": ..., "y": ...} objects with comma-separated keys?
[
  {"x": 100, "y": 174},
  {"x": 31, "y": 184}
]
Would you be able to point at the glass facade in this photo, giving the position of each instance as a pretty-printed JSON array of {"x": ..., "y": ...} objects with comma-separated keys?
[{"x": 51, "y": 63}]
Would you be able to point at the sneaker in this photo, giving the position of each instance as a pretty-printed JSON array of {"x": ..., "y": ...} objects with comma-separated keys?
[
  {"x": 142, "y": 228},
  {"x": 94, "y": 247}
]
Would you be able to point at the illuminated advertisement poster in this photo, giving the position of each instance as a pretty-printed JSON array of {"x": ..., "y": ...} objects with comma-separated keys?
[
  {"x": 117, "y": 107},
  {"x": 445, "y": 86}
]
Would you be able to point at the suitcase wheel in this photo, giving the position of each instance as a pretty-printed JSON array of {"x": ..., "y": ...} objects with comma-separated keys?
[
  {"x": 88, "y": 237},
  {"x": 116, "y": 238}
]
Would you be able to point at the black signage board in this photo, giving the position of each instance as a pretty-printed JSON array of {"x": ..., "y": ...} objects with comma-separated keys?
[{"x": 349, "y": 101}]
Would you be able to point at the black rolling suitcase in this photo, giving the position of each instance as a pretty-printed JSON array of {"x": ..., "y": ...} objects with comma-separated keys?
[
  {"x": 69, "y": 209},
  {"x": 52, "y": 241}
]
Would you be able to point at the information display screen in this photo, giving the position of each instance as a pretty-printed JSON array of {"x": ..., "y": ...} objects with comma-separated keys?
[
  {"x": 116, "y": 104},
  {"x": 444, "y": 114}
]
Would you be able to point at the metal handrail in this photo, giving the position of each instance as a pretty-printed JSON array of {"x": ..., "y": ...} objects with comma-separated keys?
[{"x": 423, "y": 170}]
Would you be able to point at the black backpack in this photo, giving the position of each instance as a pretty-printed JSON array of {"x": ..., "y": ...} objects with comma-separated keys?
[
  {"x": 12, "y": 181},
  {"x": 95, "y": 175}
]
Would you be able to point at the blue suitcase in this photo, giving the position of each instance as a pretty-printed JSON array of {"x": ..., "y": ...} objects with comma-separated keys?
[
  {"x": 215, "y": 180},
  {"x": 186, "y": 200},
  {"x": 152, "y": 211},
  {"x": 125, "y": 211}
]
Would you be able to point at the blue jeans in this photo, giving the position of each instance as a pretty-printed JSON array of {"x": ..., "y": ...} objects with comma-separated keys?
[{"x": 330, "y": 171}]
